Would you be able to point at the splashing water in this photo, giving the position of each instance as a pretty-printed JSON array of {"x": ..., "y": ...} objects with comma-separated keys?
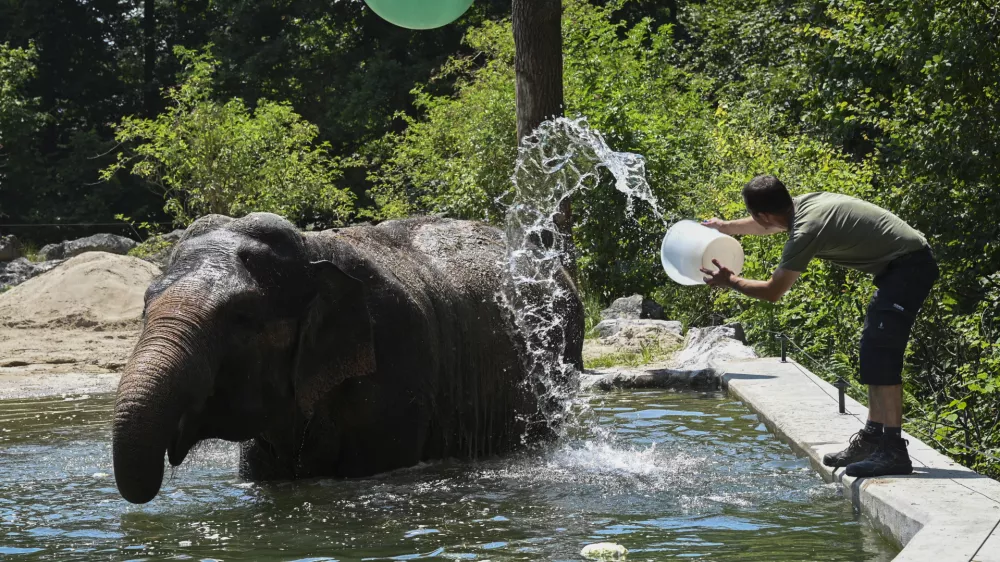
[{"x": 561, "y": 158}]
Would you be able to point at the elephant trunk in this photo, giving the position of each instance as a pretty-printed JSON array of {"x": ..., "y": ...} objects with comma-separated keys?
[{"x": 164, "y": 382}]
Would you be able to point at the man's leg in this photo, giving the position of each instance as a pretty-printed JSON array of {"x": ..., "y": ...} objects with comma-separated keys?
[
  {"x": 874, "y": 411},
  {"x": 889, "y": 400},
  {"x": 866, "y": 441},
  {"x": 883, "y": 344}
]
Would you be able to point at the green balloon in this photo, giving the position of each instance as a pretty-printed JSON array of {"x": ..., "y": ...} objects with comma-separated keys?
[{"x": 419, "y": 14}]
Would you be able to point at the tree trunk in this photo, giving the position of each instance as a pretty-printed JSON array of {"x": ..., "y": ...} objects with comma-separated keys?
[
  {"x": 149, "y": 93},
  {"x": 538, "y": 62},
  {"x": 539, "y": 67}
]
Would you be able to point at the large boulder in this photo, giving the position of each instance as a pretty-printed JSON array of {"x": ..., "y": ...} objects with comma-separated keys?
[
  {"x": 706, "y": 346},
  {"x": 108, "y": 243},
  {"x": 638, "y": 328},
  {"x": 174, "y": 236},
  {"x": 18, "y": 271},
  {"x": 628, "y": 335},
  {"x": 635, "y": 307},
  {"x": 693, "y": 366},
  {"x": 10, "y": 248}
]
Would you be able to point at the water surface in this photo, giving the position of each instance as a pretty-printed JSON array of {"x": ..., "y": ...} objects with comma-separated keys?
[{"x": 690, "y": 476}]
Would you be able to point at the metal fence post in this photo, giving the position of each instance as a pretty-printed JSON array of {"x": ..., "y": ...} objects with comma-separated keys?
[{"x": 841, "y": 385}]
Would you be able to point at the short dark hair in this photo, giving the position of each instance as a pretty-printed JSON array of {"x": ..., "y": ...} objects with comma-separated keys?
[{"x": 766, "y": 194}]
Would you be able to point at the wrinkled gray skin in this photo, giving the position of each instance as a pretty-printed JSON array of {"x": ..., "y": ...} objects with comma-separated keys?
[{"x": 341, "y": 353}]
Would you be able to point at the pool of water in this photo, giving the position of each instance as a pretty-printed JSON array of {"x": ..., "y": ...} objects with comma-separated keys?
[{"x": 668, "y": 475}]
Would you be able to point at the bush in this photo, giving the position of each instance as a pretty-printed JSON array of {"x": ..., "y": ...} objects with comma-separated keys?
[{"x": 225, "y": 158}]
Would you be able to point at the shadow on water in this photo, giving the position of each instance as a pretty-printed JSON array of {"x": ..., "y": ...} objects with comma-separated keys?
[{"x": 668, "y": 475}]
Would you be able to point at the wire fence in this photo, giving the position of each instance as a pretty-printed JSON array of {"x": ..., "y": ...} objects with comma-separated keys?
[{"x": 821, "y": 366}]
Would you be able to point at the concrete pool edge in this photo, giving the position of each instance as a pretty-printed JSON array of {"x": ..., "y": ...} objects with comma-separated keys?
[{"x": 942, "y": 512}]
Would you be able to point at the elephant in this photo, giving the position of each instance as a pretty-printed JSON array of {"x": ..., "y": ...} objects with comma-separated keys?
[{"x": 341, "y": 353}]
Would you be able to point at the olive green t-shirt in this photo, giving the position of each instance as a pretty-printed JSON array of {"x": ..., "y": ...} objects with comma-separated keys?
[{"x": 846, "y": 231}]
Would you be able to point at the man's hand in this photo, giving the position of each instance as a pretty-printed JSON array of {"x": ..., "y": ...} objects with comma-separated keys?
[
  {"x": 770, "y": 290},
  {"x": 721, "y": 278},
  {"x": 714, "y": 224}
]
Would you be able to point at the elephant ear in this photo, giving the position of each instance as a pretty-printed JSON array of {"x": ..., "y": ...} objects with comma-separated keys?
[{"x": 336, "y": 340}]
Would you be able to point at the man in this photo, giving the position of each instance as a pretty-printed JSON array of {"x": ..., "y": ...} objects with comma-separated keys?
[{"x": 856, "y": 234}]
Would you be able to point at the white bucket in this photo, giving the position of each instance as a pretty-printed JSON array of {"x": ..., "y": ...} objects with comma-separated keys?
[{"x": 688, "y": 246}]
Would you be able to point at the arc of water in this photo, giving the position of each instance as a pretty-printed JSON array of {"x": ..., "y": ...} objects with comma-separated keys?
[{"x": 559, "y": 159}]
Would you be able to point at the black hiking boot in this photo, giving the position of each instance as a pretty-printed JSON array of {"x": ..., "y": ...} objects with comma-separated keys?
[
  {"x": 861, "y": 447},
  {"x": 890, "y": 458}
]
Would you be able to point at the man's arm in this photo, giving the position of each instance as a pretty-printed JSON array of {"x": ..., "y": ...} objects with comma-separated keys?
[
  {"x": 740, "y": 226},
  {"x": 770, "y": 290}
]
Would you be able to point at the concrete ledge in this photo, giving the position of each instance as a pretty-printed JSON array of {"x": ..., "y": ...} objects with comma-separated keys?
[{"x": 942, "y": 512}]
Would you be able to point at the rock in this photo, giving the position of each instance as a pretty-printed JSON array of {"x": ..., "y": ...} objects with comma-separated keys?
[
  {"x": 20, "y": 270},
  {"x": 109, "y": 243},
  {"x": 635, "y": 307},
  {"x": 173, "y": 236},
  {"x": 604, "y": 551},
  {"x": 612, "y": 327},
  {"x": 644, "y": 377},
  {"x": 693, "y": 366},
  {"x": 626, "y": 334},
  {"x": 704, "y": 346},
  {"x": 10, "y": 248},
  {"x": 52, "y": 251}
]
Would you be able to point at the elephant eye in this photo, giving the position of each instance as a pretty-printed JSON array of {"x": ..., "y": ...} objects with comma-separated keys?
[
  {"x": 247, "y": 314},
  {"x": 247, "y": 319}
]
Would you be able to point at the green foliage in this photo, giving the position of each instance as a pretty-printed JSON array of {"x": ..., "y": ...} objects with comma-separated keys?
[
  {"x": 31, "y": 252},
  {"x": 212, "y": 157},
  {"x": 337, "y": 64},
  {"x": 152, "y": 247},
  {"x": 456, "y": 160},
  {"x": 85, "y": 78},
  {"x": 591, "y": 314},
  {"x": 19, "y": 115}
]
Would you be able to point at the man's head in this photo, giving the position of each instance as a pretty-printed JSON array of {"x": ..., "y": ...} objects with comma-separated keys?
[{"x": 768, "y": 201}]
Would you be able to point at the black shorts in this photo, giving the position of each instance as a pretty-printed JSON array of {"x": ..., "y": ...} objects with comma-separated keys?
[{"x": 902, "y": 289}]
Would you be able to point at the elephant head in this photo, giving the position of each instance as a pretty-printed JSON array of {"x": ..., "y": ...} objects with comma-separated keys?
[{"x": 241, "y": 332}]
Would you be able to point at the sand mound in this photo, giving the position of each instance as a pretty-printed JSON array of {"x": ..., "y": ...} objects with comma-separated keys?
[{"x": 91, "y": 289}]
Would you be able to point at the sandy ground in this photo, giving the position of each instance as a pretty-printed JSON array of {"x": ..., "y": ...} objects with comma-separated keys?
[
  {"x": 53, "y": 361},
  {"x": 69, "y": 331}
]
